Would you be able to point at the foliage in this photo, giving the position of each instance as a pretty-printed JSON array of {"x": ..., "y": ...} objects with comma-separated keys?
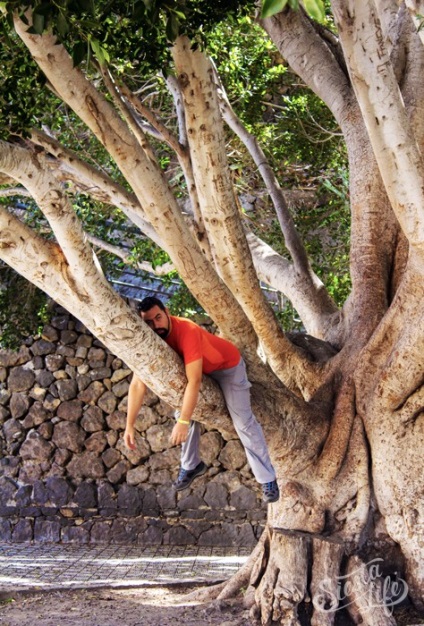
[
  {"x": 296, "y": 130},
  {"x": 23, "y": 309}
]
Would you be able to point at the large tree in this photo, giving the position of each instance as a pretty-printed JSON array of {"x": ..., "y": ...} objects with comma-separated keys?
[{"x": 343, "y": 408}]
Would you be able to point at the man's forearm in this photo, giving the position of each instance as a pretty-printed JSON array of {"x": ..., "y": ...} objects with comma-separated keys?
[
  {"x": 191, "y": 395},
  {"x": 136, "y": 395}
]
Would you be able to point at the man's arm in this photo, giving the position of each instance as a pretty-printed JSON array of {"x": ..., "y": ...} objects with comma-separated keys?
[
  {"x": 136, "y": 394},
  {"x": 191, "y": 394}
]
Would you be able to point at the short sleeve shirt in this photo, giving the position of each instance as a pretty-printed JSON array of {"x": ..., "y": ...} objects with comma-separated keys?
[{"x": 192, "y": 342}]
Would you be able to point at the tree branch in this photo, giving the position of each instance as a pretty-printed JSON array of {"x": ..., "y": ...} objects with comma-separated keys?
[
  {"x": 144, "y": 266},
  {"x": 400, "y": 162},
  {"x": 147, "y": 182},
  {"x": 220, "y": 210},
  {"x": 317, "y": 311}
]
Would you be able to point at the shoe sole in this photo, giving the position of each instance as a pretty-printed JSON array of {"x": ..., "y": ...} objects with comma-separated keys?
[{"x": 203, "y": 471}]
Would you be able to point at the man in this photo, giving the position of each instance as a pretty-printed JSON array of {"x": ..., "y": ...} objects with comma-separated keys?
[{"x": 204, "y": 353}]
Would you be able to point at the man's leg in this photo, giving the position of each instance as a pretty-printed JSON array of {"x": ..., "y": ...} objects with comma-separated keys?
[
  {"x": 236, "y": 390},
  {"x": 190, "y": 456},
  {"x": 191, "y": 464}
]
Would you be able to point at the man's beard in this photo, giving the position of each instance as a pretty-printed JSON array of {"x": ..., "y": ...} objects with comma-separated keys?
[{"x": 162, "y": 332}]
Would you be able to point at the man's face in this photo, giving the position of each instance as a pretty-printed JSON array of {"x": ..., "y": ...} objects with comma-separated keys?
[{"x": 158, "y": 321}]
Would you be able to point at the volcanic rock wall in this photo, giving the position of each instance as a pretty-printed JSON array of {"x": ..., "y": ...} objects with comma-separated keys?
[{"x": 66, "y": 475}]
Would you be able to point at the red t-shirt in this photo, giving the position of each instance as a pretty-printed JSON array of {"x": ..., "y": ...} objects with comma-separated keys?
[{"x": 192, "y": 342}]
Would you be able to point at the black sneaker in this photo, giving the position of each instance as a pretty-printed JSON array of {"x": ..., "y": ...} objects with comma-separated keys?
[
  {"x": 270, "y": 491},
  {"x": 186, "y": 477}
]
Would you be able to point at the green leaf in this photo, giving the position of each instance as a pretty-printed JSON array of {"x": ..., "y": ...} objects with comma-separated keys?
[
  {"x": 37, "y": 23},
  {"x": 315, "y": 8},
  {"x": 79, "y": 53},
  {"x": 101, "y": 53},
  {"x": 62, "y": 25},
  {"x": 172, "y": 27},
  {"x": 271, "y": 7}
]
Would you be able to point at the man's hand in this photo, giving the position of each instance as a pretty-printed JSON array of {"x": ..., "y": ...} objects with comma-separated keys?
[
  {"x": 129, "y": 438},
  {"x": 179, "y": 434}
]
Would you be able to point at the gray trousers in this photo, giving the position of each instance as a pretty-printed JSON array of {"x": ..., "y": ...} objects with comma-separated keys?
[{"x": 236, "y": 390}]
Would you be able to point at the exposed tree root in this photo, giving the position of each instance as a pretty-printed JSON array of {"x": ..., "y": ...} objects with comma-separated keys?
[
  {"x": 366, "y": 601},
  {"x": 284, "y": 584},
  {"x": 327, "y": 558}
]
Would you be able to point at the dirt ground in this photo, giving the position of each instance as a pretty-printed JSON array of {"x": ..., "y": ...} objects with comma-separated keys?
[
  {"x": 153, "y": 606},
  {"x": 147, "y": 606}
]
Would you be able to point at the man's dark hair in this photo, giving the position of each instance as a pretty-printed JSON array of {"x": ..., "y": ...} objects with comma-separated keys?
[{"x": 148, "y": 303}]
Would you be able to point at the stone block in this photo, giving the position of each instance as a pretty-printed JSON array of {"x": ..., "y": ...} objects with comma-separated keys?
[
  {"x": 106, "y": 496},
  {"x": 74, "y": 534},
  {"x": 130, "y": 500},
  {"x": 23, "y": 531},
  {"x": 118, "y": 472},
  {"x": 86, "y": 465},
  {"x": 45, "y": 430},
  {"x": 141, "y": 452},
  {"x": 67, "y": 389},
  {"x": 92, "y": 393},
  {"x": 86, "y": 495},
  {"x": 59, "y": 491},
  {"x": 100, "y": 373},
  {"x": 36, "y": 448},
  {"x": 166, "y": 496},
  {"x": 69, "y": 435},
  {"x": 100, "y": 532},
  {"x": 121, "y": 389},
  {"x": 70, "y": 410},
  {"x": 153, "y": 535},
  {"x": 119, "y": 373},
  {"x": 150, "y": 503},
  {"x": 210, "y": 446},
  {"x": 85, "y": 341},
  {"x": 233, "y": 456},
  {"x": 5, "y": 530},
  {"x": 96, "y": 443},
  {"x": 49, "y": 333},
  {"x": 23, "y": 496},
  {"x": 96, "y": 354},
  {"x": 68, "y": 337},
  {"x": 54, "y": 362},
  {"x": 158, "y": 437},
  {"x": 93, "y": 419},
  {"x": 44, "y": 379},
  {"x": 37, "y": 414},
  {"x": 116, "y": 420},
  {"x": 216, "y": 495},
  {"x": 179, "y": 536},
  {"x": 43, "y": 347},
  {"x": 10, "y": 358},
  {"x": 110, "y": 457},
  {"x": 46, "y": 531},
  {"x": 19, "y": 404},
  {"x": 20, "y": 379},
  {"x": 12, "y": 430},
  {"x": 61, "y": 456},
  {"x": 138, "y": 475},
  {"x": 191, "y": 501},
  {"x": 107, "y": 402},
  {"x": 244, "y": 498},
  {"x": 165, "y": 460}
]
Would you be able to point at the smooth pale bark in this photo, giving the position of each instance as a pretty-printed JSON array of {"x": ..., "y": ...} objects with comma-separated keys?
[
  {"x": 379, "y": 97},
  {"x": 277, "y": 272},
  {"x": 90, "y": 180},
  {"x": 318, "y": 60},
  {"x": 221, "y": 212}
]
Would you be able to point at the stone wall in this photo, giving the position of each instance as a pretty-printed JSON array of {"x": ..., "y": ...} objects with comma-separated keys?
[{"x": 66, "y": 475}]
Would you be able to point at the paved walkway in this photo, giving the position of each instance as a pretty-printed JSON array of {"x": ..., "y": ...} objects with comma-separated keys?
[{"x": 67, "y": 566}]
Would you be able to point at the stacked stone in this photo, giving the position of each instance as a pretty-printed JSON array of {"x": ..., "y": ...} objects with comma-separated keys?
[{"x": 66, "y": 475}]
